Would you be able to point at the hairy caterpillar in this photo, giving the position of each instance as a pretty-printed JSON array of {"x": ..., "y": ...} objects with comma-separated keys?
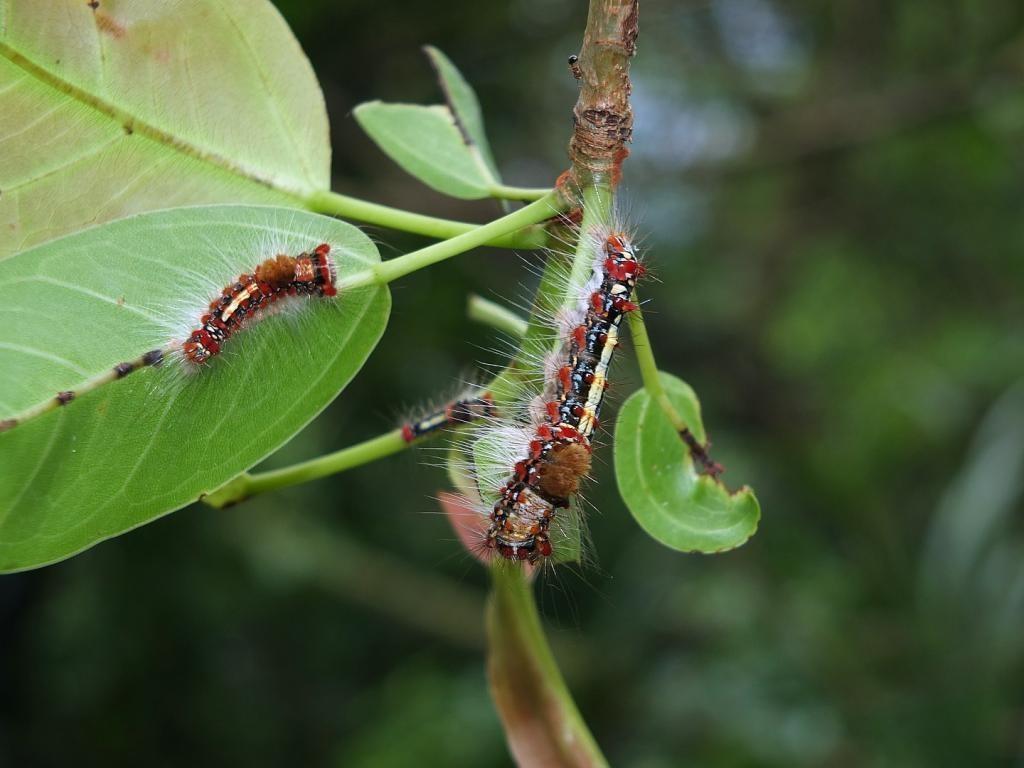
[
  {"x": 308, "y": 274},
  {"x": 559, "y": 454},
  {"x": 463, "y": 410},
  {"x": 547, "y": 461},
  {"x": 241, "y": 302}
]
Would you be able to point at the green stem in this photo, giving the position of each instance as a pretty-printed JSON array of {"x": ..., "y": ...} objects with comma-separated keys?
[
  {"x": 542, "y": 722},
  {"x": 373, "y": 213},
  {"x": 246, "y": 485},
  {"x": 393, "y": 269},
  {"x": 487, "y": 312},
  {"x": 554, "y": 295},
  {"x": 597, "y": 211},
  {"x": 517, "y": 193},
  {"x": 543, "y": 725},
  {"x": 649, "y": 368},
  {"x": 598, "y": 201}
]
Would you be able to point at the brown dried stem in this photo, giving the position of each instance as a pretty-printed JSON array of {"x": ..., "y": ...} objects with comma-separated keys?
[{"x": 603, "y": 118}]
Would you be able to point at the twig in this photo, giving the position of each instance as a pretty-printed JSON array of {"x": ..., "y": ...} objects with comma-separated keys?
[{"x": 542, "y": 723}]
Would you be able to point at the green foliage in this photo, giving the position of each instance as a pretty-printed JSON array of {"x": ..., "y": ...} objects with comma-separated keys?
[
  {"x": 465, "y": 107},
  {"x": 427, "y": 143},
  {"x": 875, "y": 194},
  {"x": 136, "y": 449},
  {"x": 676, "y": 505},
  {"x": 113, "y": 111},
  {"x": 445, "y": 147}
]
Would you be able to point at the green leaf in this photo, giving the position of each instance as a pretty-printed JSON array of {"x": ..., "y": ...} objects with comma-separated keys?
[
  {"x": 567, "y": 534},
  {"x": 131, "y": 107},
  {"x": 135, "y": 449},
  {"x": 493, "y": 462},
  {"x": 677, "y": 506},
  {"x": 427, "y": 143},
  {"x": 465, "y": 107}
]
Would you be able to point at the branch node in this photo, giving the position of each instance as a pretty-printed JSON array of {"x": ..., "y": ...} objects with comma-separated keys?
[{"x": 603, "y": 120}]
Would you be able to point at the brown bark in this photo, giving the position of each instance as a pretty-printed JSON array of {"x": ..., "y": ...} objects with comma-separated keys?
[{"x": 602, "y": 115}]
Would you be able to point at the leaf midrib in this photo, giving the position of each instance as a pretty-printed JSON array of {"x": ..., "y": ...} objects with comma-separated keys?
[
  {"x": 133, "y": 124},
  {"x": 414, "y": 151}
]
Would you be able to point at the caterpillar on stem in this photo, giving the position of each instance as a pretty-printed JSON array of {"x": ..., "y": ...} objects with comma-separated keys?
[
  {"x": 462, "y": 410},
  {"x": 547, "y": 460}
]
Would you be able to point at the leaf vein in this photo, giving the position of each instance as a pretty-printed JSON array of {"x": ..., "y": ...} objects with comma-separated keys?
[
  {"x": 33, "y": 352},
  {"x": 283, "y": 123},
  {"x": 138, "y": 125},
  {"x": 30, "y": 477},
  {"x": 98, "y": 149}
]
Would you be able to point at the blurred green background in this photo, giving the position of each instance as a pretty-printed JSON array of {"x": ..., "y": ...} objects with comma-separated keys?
[{"x": 832, "y": 201}]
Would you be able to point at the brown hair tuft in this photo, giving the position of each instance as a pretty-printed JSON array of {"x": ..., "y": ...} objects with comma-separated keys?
[
  {"x": 560, "y": 476},
  {"x": 278, "y": 271}
]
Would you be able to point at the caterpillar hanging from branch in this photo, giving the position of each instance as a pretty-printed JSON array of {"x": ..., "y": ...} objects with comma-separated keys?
[{"x": 548, "y": 460}]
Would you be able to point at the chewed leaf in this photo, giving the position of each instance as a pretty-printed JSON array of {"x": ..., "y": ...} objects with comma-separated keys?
[
  {"x": 110, "y": 109},
  {"x": 465, "y": 106},
  {"x": 427, "y": 143},
  {"x": 493, "y": 463},
  {"x": 676, "y": 505},
  {"x": 140, "y": 447}
]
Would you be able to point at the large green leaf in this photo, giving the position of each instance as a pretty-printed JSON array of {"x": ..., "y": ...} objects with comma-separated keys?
[
  {"x": 141, "y": 447},
  {"x": 427, "y": 142},
  {"x": 136, "y": 105},
  {"x": 677, "y": 506}
]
